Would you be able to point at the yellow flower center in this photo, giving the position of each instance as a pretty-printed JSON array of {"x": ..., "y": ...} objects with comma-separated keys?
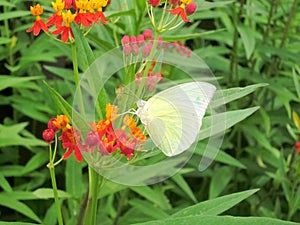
[
  {"x": 68, "y": 18},
  {"x": 82, "y": 5},
  {"x": 186, "y": 2},
  {"x": 36, "y": 10},
  {"x": 58, "y": 6},
  {"x": 97, "y": 4}
]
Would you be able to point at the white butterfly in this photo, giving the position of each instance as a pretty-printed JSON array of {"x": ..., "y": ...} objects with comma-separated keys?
[{"x": 173, "y": 117}]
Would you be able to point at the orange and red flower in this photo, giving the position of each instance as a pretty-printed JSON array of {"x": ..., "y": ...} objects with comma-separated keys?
[
  {"x": 39, "y": 24},
  {"x": 102, "y": 136},
  {"x": 82, "y": 12},
  {"x": 186, "y": 7},
  {"x": 65, "y": 30}
]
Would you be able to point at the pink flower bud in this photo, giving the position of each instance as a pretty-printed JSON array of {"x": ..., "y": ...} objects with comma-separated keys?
[
  {"x": 154, "y": 3},
  {"x": 133, "y": 39},
  {"x": 147, "y": 49},
  {"x": 125, "y": 40},
  {"x": 127, "y": 49},
  {"x": 135, "y": 49},
  {"x": 48, "y": 135},
  {"x": 92, "y": 138},
  {"x": 159, "y": 42},
  {"x": 147, "y": 34},
  {"x": 140, "y": 39},
  {"x": 191, "y": 8}
]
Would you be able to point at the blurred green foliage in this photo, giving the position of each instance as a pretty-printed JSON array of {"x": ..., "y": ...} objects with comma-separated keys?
[{"x": 246, "y": 43}]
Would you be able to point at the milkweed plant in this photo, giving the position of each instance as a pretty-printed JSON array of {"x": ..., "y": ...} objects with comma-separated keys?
[{"x": 103, "y": 126}]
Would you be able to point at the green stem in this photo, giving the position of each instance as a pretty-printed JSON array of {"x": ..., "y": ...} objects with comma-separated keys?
[
  {"x": 233, "y": 70},
  {"x": 91, "y": 210},
  {"x": 54, "y": 186},
  {"x": 273, "y": 69},
  {"x": 76, "y": 77},
  {"x": 122, "y": 203}
]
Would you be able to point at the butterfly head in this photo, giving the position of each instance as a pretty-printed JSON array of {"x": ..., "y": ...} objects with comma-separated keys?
[{"x": 141, "y": 103}]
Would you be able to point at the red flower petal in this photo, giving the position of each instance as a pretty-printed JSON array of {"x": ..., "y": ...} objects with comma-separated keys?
[
  {"x": 179, "y": 11},
  {"x": 99, "y": 15}
]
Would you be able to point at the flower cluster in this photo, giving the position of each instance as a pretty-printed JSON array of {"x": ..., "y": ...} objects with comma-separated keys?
[
  {"x": 141, "y": 46},
  {"x": 82, "y": 12},
  {"x": 102, "y": 137},
  {"x": 143, "y": 43},
  {"x": 152, "y": 78},
  {"x": 181, "y": 8}
]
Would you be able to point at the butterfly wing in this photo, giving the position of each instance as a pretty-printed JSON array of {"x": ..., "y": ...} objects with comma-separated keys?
[{"x": 174, "y": 116}]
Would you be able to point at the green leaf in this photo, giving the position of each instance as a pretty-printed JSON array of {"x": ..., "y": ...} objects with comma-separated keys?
[
  {"x": 202, "y": 4},
  {"x": 41, "y": 193},
  {"x": 220, "y": 179},
  {"x": 220, "y": 122},
  {"x": 20, "y": 207},
  {"x": 184, "y": 37},
  {"x": 148, "y": 209},
  {"x": 67, "y": 110},
  {"x": 110, "y": 14},
  {"x": 220, "y": 220},
  {"x": 47, "y": 193},
  {"x": 38, "y": 160},
  {"x": 5, "y": 3},
  {"x": 222, "y": 156},
  {"x": 11, "y": 81},
  {"x": 296, "y": 79},
  {"x": 33, "y": 109},
  {"x": 17, "y": 223},
  {"x": 50, "y": 216},
  {"x": 225, "y": 96},
  {"x": 4, "y": 40},
  {"x": 85, "y": 54},
  {"x": 216, "y": 206},
  {"x": 74, "y": 182},
  {"x": 248, "y": 37},
  {"x": 178, "y": 178},
  {"x": 155, "y": 195},
  {"x": 5, "y": 184},
  {"x": 13, "y": 14},
  {"x": 9, "y": 136}
]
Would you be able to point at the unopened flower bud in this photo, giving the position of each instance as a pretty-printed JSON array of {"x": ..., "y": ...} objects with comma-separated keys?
[
  {"x": 133, "y": 39},
  {"x": 92, "y": 138},
  {"x": 147, "y": 49},
  {"x": 51, "y": 125},
  {"x": 48, "y": 135},
  {"x": 135, "y": 49},
  {"x": 191, "y": 8},
  {"x": 125, "y": 40},
  {"x": 127, "y": 50},
  {"x": 147, "y": 34},
  {"x": 154, "y": 3},
  {"x": 140, "y": 39}
]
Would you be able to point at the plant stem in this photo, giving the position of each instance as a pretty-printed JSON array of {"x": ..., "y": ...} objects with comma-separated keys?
[
  {"x": 122, "y": 202},
  {"x": 233, "y": 70},
  {"x": 55, "y": 193},
  {"x": 275, "y": 58},
  {"x": 91, "y": 210},
  {"x": 51, "y": 166}
]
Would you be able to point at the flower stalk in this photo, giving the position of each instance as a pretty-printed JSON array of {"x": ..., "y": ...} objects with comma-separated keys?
[{"x": 51, "y": 166}]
